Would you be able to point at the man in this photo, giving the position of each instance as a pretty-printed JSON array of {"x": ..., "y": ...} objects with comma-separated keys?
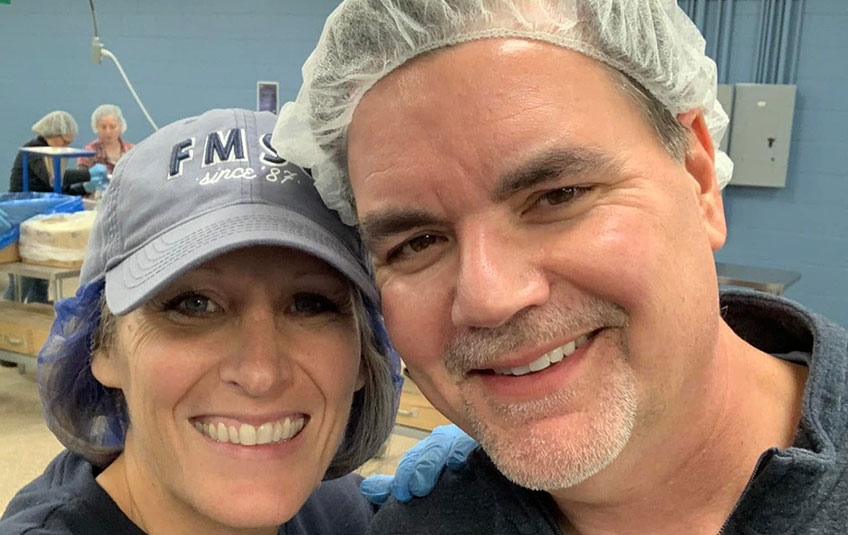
[{"x": 539, "y": 188}]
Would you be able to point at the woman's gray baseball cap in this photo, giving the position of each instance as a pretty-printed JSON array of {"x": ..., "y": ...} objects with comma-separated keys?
[{"x": 203, "y": 186}]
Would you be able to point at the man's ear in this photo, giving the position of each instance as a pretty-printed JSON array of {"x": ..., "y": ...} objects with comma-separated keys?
[
  {"x": 104, "y": 367},
  {"x": 700, "y": 164}
]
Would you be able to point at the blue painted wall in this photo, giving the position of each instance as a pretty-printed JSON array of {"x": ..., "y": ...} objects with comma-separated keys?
[
  {"x": 184, "y": 59},
  {"x": 803, "y": 227}
]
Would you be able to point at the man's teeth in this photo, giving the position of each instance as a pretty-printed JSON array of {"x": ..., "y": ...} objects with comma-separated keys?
[
  {"x": 248, "y": 435},
  {"x": 551, "y": 357}
]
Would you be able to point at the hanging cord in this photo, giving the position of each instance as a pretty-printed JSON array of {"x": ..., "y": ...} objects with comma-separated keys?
[
  {"x": 129, "y": 86},
  {"x": 93, "y": 17},
  {"x": 97, "y": 52}
]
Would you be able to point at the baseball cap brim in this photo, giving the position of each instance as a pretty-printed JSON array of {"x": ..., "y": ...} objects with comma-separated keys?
[{"x": 160, "y": 261}]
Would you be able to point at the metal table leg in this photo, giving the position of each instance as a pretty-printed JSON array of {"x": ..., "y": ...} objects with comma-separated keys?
[{"x": 17, "y": 292}]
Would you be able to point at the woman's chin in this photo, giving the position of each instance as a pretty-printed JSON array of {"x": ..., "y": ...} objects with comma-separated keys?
[{"x": 255, "y": 512}]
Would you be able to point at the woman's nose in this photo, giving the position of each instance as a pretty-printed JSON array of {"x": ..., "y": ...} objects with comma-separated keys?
[{"x": 258, "y": 363}]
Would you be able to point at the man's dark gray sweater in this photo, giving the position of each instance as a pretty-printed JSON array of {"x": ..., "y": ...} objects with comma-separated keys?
[{"x": 799, "y": 490}]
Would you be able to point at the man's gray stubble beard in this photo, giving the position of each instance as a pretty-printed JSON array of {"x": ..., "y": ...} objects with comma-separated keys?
[{"x": 524, "y": 456}]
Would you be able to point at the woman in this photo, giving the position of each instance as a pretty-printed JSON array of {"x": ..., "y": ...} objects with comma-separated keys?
[
  {"x": 108, "y": 123},
  {"x": 223, "y": 356},
  {"x": 56, "y": 129}
]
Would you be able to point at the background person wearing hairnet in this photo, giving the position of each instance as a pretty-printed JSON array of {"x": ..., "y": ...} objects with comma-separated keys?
[
  {"x": 56, "y": 129},
  {"x": 539, "y": 186},
  {"x": 108, "y": 123},
  {"x": 223, "y": 356}
]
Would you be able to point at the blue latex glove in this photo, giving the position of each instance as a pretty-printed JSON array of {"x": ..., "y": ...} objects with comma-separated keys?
[
  {"x": 98, "y": 171},
  {"x": 420, "y": 467},
  {"x": 99, "y": 179}
]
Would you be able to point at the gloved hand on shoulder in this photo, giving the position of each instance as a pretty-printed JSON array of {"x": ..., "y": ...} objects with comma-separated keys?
[{"x": 420, "y": 467}]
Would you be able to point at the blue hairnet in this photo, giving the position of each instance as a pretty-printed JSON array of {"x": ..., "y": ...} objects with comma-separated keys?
[{"x": 85, "y": 416}]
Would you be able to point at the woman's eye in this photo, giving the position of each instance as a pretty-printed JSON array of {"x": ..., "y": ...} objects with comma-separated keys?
[
  {"x": 309, "y": 304},
  {"x": 193, "y": 305},
  {"x": 415, "y": 245}
]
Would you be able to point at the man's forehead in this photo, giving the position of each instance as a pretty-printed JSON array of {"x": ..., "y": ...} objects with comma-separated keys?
[{"x": 491, "y": 53}]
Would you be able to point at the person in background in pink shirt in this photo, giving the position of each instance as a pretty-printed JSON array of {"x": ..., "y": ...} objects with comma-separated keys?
[{"x": 108, "y": 123}]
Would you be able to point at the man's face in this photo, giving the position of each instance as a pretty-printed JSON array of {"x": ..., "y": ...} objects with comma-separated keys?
[{"x": 545, "y": 265}]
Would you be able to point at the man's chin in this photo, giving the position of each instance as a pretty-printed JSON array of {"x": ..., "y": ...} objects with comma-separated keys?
[{"x": 548, "y": 444}]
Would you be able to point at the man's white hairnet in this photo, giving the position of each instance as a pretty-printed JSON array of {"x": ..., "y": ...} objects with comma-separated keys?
[
  {"x": 108, "y": 110},
  {"x": 652, "y": 41},
  {"x": 56, "y": 123}
]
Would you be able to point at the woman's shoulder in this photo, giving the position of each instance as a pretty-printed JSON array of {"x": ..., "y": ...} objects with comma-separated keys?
[
  {"x": 92, "y": 145},
  {"x": 36, "y": 142},
  {"x": 126, "y": 145},
  {"x": 64, "y": 500},
  {"x": 335, "y": 508}
]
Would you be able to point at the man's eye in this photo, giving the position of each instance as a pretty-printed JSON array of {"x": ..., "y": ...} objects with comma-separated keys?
[
  {"x": 560, "y": 196},
  {"x": 310, "y": 304},
  {"x": 415, "y": 245}
]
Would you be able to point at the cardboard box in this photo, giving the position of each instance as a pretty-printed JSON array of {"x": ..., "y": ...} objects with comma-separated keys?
[
  {"x": 10, "y": 254},
  {"x": 416, "y": 411},
  {"x": 24, "y": 327}
]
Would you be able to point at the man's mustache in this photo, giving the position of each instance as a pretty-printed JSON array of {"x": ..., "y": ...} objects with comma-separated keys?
[{"x": 475, "y": 348}]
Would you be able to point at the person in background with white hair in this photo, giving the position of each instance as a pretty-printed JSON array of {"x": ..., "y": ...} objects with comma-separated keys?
[
  {"x": 539, "y": 183},
  {"x": 108, "y": 123}
]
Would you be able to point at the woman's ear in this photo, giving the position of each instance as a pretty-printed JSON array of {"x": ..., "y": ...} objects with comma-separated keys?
[
  {"x": 104, "y": 367},
  {"x": 360, "y": 378},
  {"x": 700, "y": 164}
]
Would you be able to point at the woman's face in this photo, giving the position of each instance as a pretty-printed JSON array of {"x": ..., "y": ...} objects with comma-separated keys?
[
  {"x": 108, "y": 129},
  {"x": 62, "y": 140},
  {"x": 239, "y": 379}
]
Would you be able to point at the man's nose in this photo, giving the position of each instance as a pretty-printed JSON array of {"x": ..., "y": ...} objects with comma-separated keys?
[
  {"x": 258, "y": 362},
  {"x": 497, "y": 279}
]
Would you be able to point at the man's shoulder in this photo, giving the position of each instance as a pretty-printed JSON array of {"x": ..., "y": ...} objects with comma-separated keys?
[
  {"x": 474, "y": 499},
  {"x": 778, "y": 325},
  {"x": 63, "y": 500}
]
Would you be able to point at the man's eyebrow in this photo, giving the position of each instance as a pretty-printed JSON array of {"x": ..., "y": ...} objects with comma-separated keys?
[
  {"x": 551, "y": 165},
  {"x": 378, "y": 226}
]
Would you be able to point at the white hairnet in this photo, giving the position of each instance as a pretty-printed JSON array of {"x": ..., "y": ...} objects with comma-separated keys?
[
  {"x": 108, "y": 110},
  {"x": 652, "y": 41},
  {"x": 56, "y": 123}
]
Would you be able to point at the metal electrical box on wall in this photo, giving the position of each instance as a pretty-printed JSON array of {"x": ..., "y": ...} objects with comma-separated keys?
[
  {"x": 724, "y": 95},
  {"x": 760, "y": 134}
]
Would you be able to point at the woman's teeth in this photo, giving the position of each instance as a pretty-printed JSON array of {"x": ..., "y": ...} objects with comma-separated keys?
[
  {"x": 248, "y": 435},
  {"x": 551, "y": 357}
]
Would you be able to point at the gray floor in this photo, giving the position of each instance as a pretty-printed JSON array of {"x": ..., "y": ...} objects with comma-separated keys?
[{"x": 27, "y": 446}]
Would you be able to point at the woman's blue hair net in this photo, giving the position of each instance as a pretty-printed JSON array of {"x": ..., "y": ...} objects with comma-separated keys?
[{"x": 85, "y": 416}]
